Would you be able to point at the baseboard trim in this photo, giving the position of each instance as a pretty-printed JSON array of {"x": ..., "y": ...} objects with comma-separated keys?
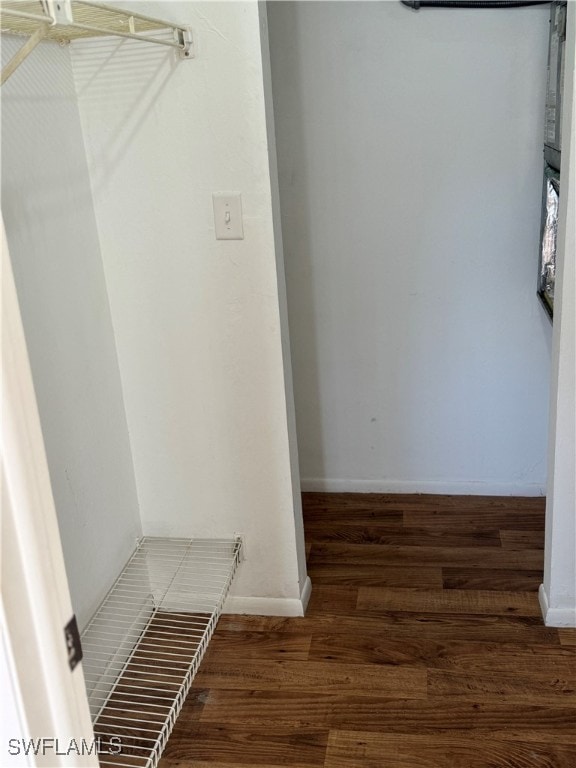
[
  {"x": 455, "y": 488},
  {"x": 543, "y": 600},
  {"x": 270, "y": 606},
  {"x": 305, "y": 594},
  {"x": 555, "y": 617}
]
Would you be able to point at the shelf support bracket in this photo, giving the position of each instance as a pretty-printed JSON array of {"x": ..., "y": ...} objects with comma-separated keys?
[
  {"x": 22, "y": 54},
  {"x": 60, "y": 10},
  {"x": 185, "y": 40}
]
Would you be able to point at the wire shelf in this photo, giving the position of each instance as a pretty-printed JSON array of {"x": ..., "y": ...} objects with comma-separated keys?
[
  {"x": 143, "y": 646},
  {"x": 69, "y": 20}
]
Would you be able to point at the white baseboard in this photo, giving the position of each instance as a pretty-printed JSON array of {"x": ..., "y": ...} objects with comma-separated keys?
[
  {"x": 270, "y": 606},
  {"x": 305, "y": 594},
  {"x": 451, "y": 488},
  {"x": 543, "y": 600},
  {"x": 555, "y": 617}
]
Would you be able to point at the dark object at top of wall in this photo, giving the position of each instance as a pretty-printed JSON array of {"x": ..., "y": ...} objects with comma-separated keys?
[{"x": 417, "y": 4}]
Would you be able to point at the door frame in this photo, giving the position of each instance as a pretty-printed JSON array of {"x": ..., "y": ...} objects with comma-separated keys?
[
  {"x": 47, "y": 699},
  {"x": 558, "y": 591}
]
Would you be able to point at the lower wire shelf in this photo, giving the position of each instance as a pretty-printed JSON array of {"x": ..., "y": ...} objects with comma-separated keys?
[{"x": 143, "y": 646}]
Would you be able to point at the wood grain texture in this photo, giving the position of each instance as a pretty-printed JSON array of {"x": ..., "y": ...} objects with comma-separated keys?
[
  {"x": 331, "y": 678},
  {"x": 451, "y": 601},
  {"x": 236, "y": 762},
  {"x": 498, "y": 629},
  {"x": 423, "y": 647},
  {"x": 281, "y": 745},
  {"x": 567, "y": 636},
  {"x": 497, "y": 579},
  {"x": 331, "y": 574},
  {"x": 476, "y": 518},
  {"x": 522, "y": 539},
  {"x": 352, "y": 507},
  {"x": 519, "y": 688},
  {"x": 468, "y": 557},
  {"x": 391, "y": 536},
  {"x": 375, "y": 713},
  {"x": 347, "y": 749},
  {"x": 456, "y": 655},
  {"x": 230, "y": 646},
  {"x": 339, "y": 599}
]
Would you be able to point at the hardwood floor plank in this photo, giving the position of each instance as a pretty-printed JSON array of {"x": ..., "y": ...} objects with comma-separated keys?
[
  {"x": 449, "y": 557},
  {"x": 522, "y": 539},
  {"x": 452, "y": 601},
  {"x": 233, "y": 743},
  {"x": 527, "y": 687},
  {"x": 330, "y": 678},
  {"x": 350, "y": 749},
  {"x": 498, "y": 579},
  {"x": 444, "y": 627},
  {"x": 476, "y": 517},
  {"x": 459, "y": 503},
  {"x": 326, "y": 597},
  {"x": 424, "y": 503},
  {"x": 455, "y": 655},
  {"x": 374, "y": 713},
  {"x": 227, "y": 646},
  {"x": 323, "y": 521},
  {"x": 397, "y": 535},
  {"x": 333, "y": 505},
  {"x": 332, "y": 574},
  {"x": 238, "y": 763},
  {"x": 567, "y": 636}
]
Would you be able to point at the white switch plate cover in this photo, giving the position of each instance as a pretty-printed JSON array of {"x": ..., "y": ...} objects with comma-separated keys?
[{"x": 228, "y": 215}]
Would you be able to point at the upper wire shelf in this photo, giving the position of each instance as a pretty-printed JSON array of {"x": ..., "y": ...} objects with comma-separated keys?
[{"x": 67, "y": 20}]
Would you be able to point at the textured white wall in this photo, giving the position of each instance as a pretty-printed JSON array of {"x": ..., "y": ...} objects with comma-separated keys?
[
  {"x": 197, "y": 320},
  {"x": 410, "y": 162},
  {"x": 51, "y": 231}
]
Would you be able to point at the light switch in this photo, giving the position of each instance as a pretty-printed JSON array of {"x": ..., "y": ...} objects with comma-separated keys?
[{"x": 228, "y": 215}]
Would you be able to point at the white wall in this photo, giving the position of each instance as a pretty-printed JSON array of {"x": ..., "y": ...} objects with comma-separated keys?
[
  {"x": 197, "y": 320},
  {"x": 51, "y": 230},
  {"x": 558, "y": 592},
  {"x": 410, "y": 161}
]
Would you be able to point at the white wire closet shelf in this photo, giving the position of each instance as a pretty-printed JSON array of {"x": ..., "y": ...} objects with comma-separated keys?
[
  {"x": 66, "y": 20},
  {"x": 143, "y": 646}
]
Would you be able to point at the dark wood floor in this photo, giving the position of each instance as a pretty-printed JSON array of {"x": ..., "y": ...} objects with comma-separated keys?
[{"x": 423, "y": 647}]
